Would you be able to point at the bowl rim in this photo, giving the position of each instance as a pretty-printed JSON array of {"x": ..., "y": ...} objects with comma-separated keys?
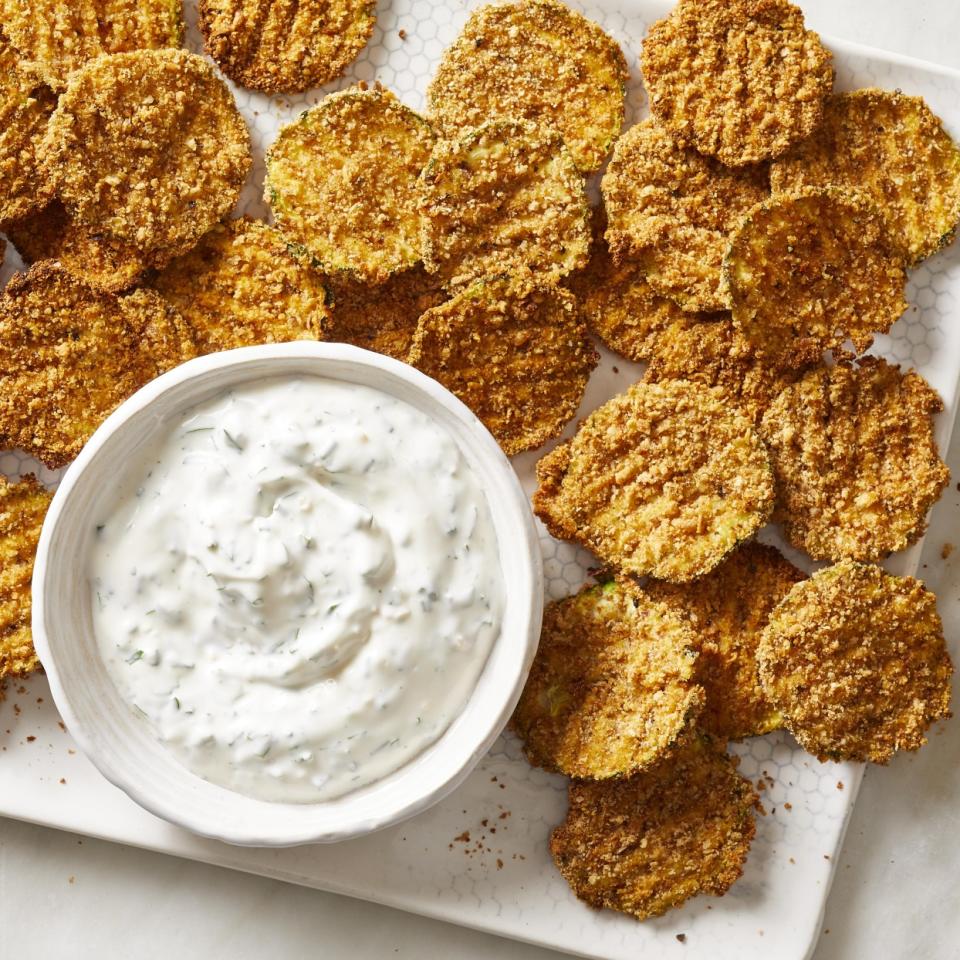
[{"x": 521, "y": 533}]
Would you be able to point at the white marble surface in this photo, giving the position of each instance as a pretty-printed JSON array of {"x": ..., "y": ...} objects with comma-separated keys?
[{"x": 63, "y": 896}]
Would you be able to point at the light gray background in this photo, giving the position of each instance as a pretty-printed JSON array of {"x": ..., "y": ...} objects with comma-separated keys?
[{"x": 894, "y": 897}]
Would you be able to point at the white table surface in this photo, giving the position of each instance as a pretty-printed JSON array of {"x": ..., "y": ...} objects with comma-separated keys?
[{"x": 63, "y": 896}]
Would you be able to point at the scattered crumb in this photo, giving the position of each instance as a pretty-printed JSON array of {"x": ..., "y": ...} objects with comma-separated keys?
[
  {"x": 62, "y": 726},
  {"x": 402, "y": 34},
  {"x": 792, "y": 860},
  {"x": 31, "y": 739},
  {"x": 788, "y": 806},
  {"x": 826, "y": 856},
  {"x": 71, "y": 879},
  {"x": 839, "y": 784},
  {"x": 463, "y": 837},
  {"x": 946, "y": 550},
  {"x": 63, "y": 780},
  {"x": 499, "y": 864},
  {"x": 681, "y": 938}
]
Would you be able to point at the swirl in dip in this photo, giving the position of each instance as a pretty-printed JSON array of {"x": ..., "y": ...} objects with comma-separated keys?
[{"x": 298, "y": 586}]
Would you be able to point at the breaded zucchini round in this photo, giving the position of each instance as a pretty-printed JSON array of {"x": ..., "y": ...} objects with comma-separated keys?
[
  {"x": 148, "y": 147},
  {"x": 69, "y": 355},
  {"x": 739, "y": 80},
  {"x": 98, "y": 259},
  {"x": 383, "y": 318},
  {"x": 893, "y": 148},
  {"x": 727, "y": 610},
  {"x": 285, "y": 46},
  {"x": 240, "y": 286},
  {"x": 673, "y": 210},
  {"x": 341, "y": 182},
  {"x": 515, "y": 350},
  {"x": 855, "y": 459},
  {"x": 855, "y": 661},
  {"x": 619, "y": 305},
  {"x": 55, "y": 38},
  {"x": 650, "y": 843},
  {"x": 23, "y": 506},
  {"x": 714, "y": 353},
  {"x": 534, "y": 60},
  {"x": 503, "y": 197},
  {"x": 611, "y": 690},
  {"x": 25, "y": 108},
  {"x": 809, "y": 270},
  {"x": 665, "y": 479}
]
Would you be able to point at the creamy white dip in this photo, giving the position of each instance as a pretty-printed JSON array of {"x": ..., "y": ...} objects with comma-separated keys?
[{"x": 298, "y": 586}]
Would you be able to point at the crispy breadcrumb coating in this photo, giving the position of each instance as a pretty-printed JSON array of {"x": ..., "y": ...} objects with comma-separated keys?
[
  {"x": 619, "y": 305},
  {"x": 55, "y": 38},
  {"x": 148, "y": 147},
  {"x": 611, "y": 690},
  {"x": 892, "y": 147},
  {"x": 69, "y": 355},
  {"x": 855, "y": 661},
  {"x": 241, "y": 286},
  {"x": 23, "y": 506},
  {"x": 739, "y": 80},
  {"x": 383, "y": 318},
  {"x": 728, "y": 609},
  {"x": 285, "y": 46},
  {"x": 809, "y": 270},
  {"x": 501, "y": 198},
  {"x": 25, "y": 108},
  {"x": 665, "y": 479},
  {"x": 341, "y": 182},
  {"x": 534, "y": 60},
  {"x": 96, "y": 258},
  {"x": 673, "y": 210},
  {"x": 855, "y": 459},
  {"x": 650, "y": 843},
  {"x": 715, "y": 354},
  {"x": 515, "y": 350}
]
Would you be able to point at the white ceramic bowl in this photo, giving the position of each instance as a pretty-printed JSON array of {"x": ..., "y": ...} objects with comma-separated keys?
[{"x": 121, "y": 743}]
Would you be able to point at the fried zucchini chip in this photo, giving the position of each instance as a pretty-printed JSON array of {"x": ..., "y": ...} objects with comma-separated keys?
[
  {"x": 25, "y": 108},
  {"x": 739, "y": 80},
  {"x": 285, "y": 46},
  {"x": 23, "y": 506},
  {"x": 893, "y": 148},
  {"x": 241, "y": 286},
  {"x": 728, "y": 610},
  {"x": 713, "y": 353},
  {"x": 673, "y": 210},
  {"x": 501, "y": 198},
  {"x": 535, "y": 60},
  {"x": 515, "y": 350},
  {"x": 383, "y": 318},
  {"x": 612, "y": 688},
  {"x": 54, "y": 38},
  {"x": 149, "y": 148},
  {"x": 809, "y": 270},
  {"x": 621, "y": 307},
  {"x": 96, "y": 258},
  {"x": 855, "y": 459},
  {"x": 69, "y": 355},
  {"x": 341, "y": 182},
  {"x": 665, "y": 479},
  {"x": 647, "y": 844},
  {"x": 855, "y": 661}
]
